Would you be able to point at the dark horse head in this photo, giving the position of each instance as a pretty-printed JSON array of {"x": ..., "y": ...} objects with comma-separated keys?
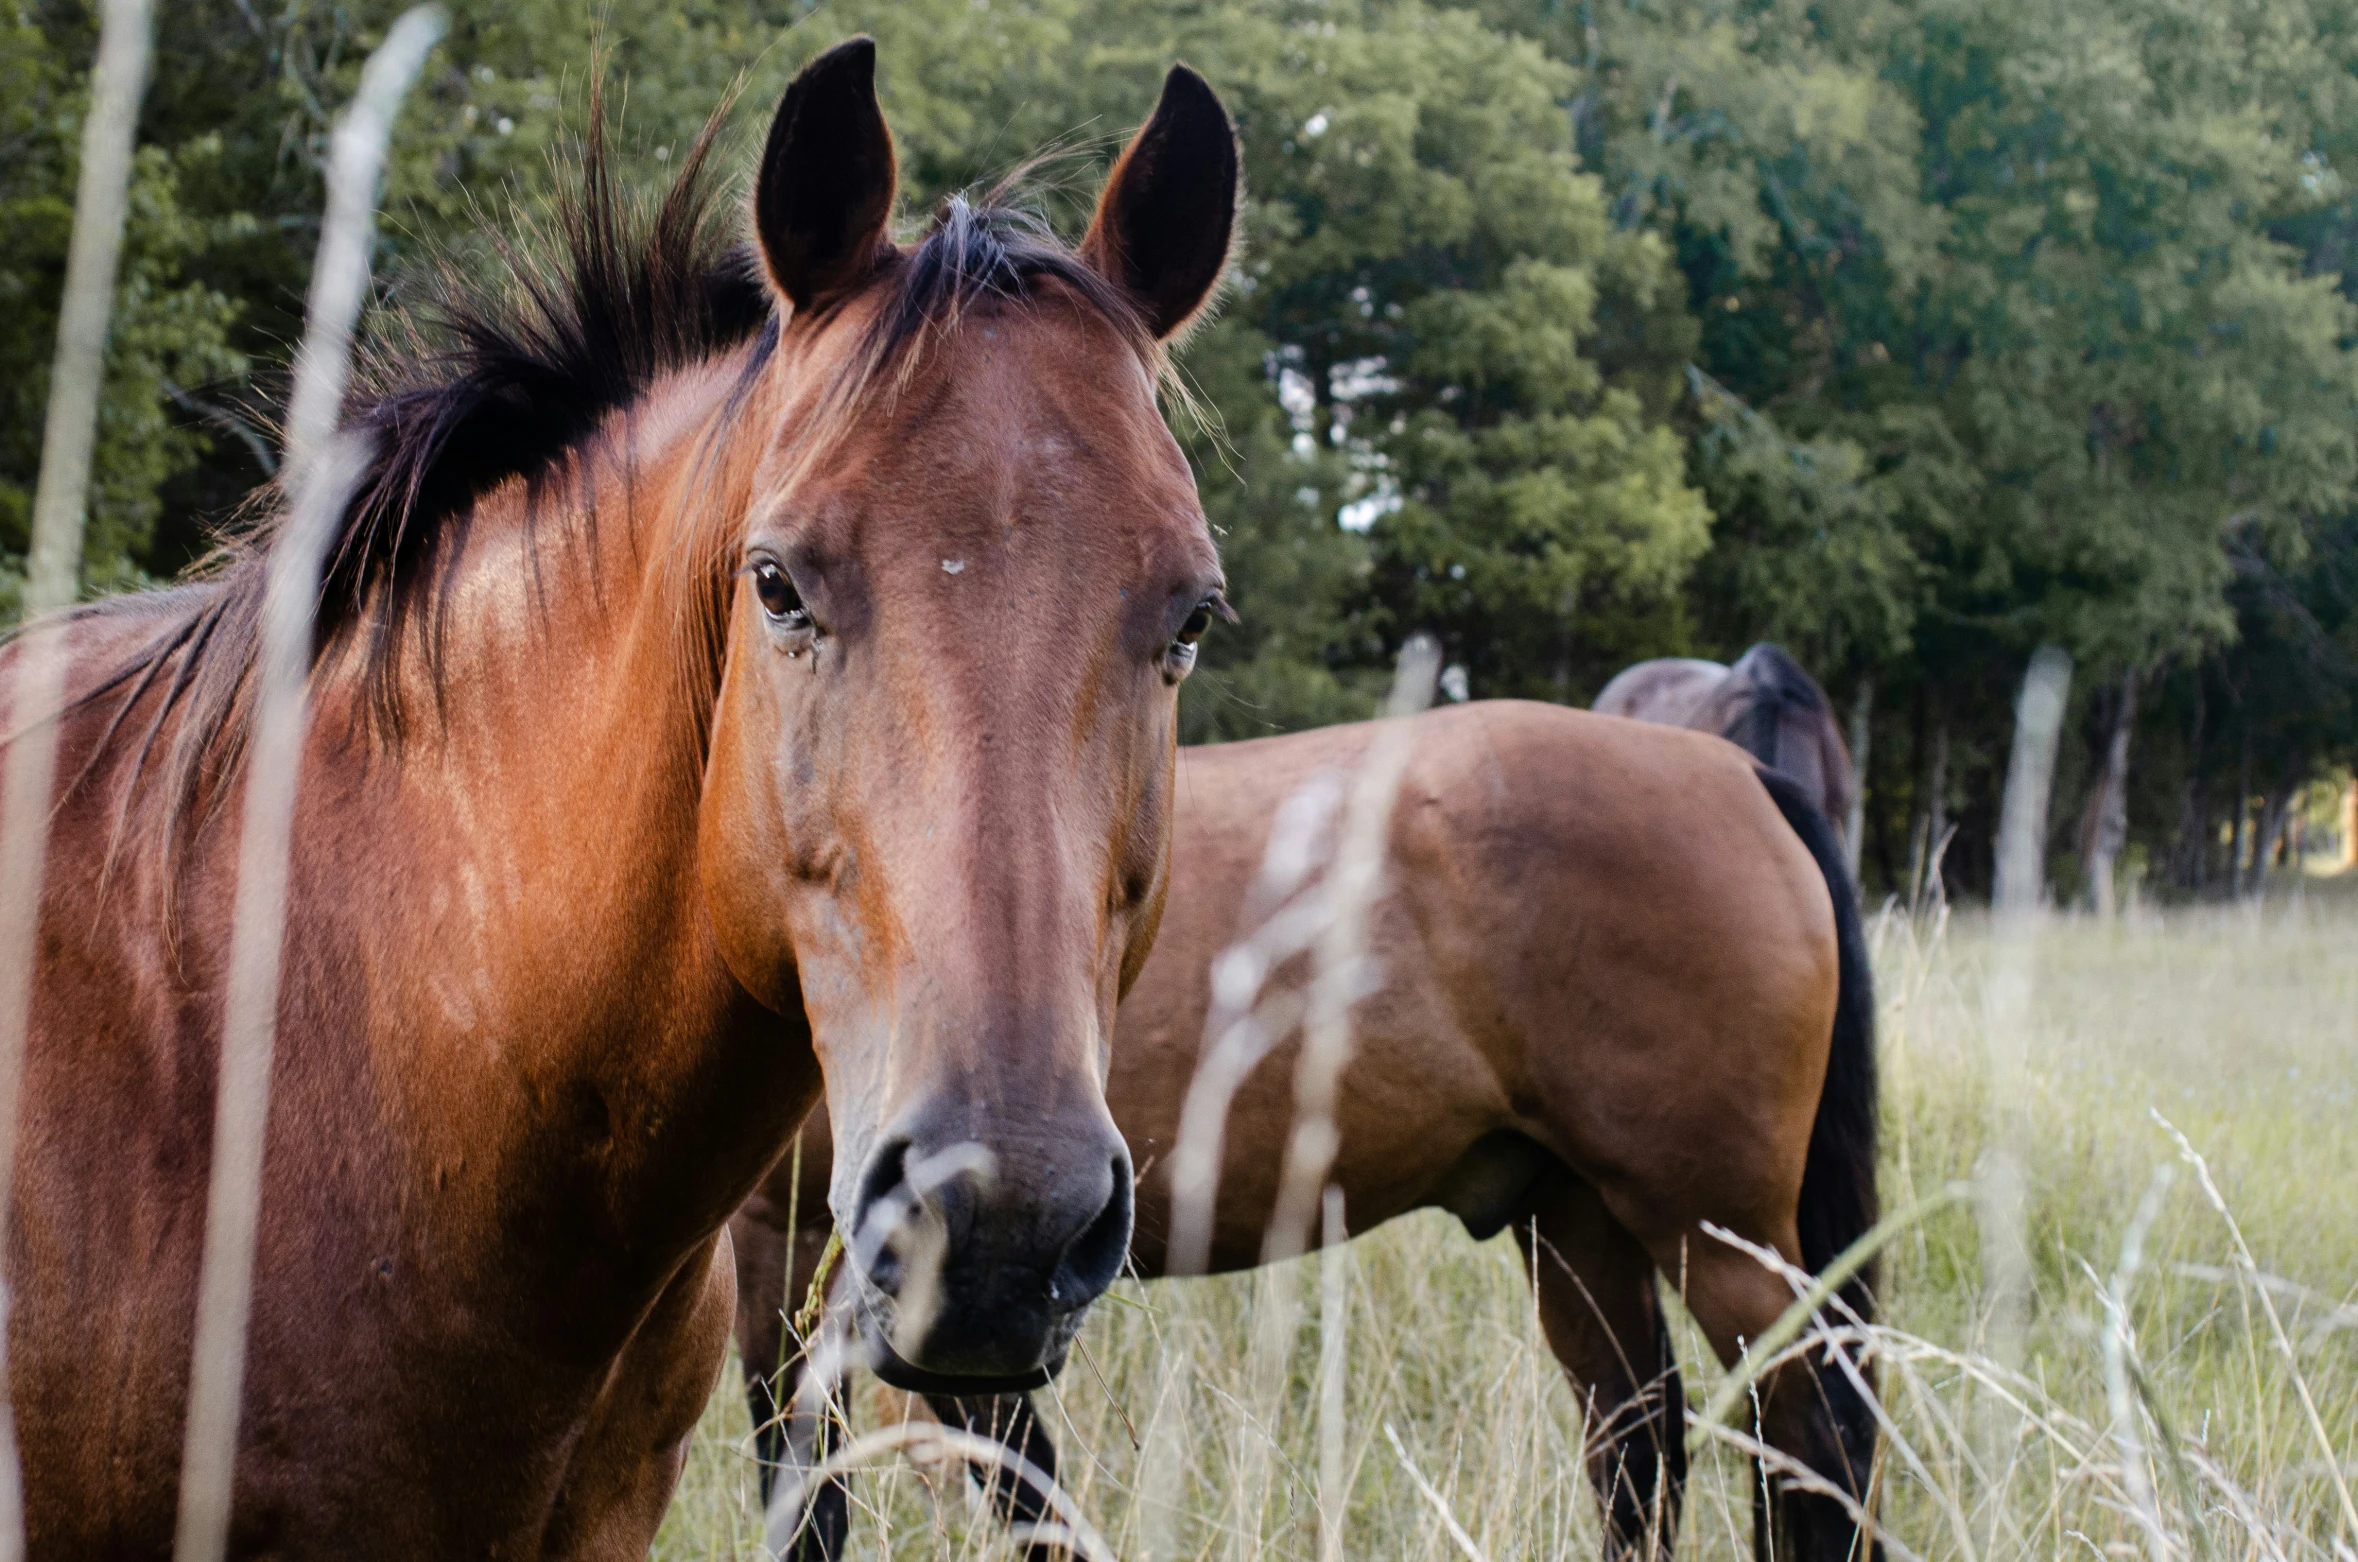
[
  {"x": 1785, "y": 721},
  {"x": 937, "y": 808}
]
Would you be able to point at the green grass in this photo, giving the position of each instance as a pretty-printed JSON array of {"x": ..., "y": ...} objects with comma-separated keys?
[{"x": 2240, "y": 1026}]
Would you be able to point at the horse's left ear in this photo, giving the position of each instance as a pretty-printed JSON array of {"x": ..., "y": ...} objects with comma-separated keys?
[
  {"x": 824, "y": 195},
  {"x": 1163, "y": 224}
]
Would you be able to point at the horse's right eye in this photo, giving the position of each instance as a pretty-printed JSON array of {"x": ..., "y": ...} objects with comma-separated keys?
[{"x": 779, "y": 599}]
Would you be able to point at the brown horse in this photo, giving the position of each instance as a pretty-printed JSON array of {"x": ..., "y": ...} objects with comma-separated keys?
[
  {"x": 738, "y": 662},
  {"x": 1624, "y": 994},
  {"x": 1765, "y": 704}
]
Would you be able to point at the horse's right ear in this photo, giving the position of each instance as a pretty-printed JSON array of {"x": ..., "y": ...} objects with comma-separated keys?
[
  {"x": 824, "y": 195},
  {"x": 1163, "y": 224}
]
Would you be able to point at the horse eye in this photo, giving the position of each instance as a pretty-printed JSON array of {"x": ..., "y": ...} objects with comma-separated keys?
[
  {"x": 1197, "y": 622},
  {"x": 779, "y": 599}
]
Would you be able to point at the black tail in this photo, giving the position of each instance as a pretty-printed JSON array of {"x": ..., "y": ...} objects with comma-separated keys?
[{"x": 1838, "y": 1199}]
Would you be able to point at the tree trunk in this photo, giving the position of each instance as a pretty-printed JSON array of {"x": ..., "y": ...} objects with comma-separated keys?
[
  {"x": 1862, "y": 732},
  {"x": 2243, "y": 815},
  {"x": 2194, "y": 812},
  {"x": 2275, "y": 829},
  {"x": 2105, "y": 829},
  {"x": 1936, "y": 817},
  {"x": 1939, "y": 824},
  {"x": 1919, "y": 746},
  {"x": 2019, "y": 881}
]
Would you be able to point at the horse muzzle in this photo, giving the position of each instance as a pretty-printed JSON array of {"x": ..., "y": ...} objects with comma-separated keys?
[{"x": 973, "y": 1270}]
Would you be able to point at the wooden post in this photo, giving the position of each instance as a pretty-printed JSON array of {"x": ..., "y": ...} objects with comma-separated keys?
[
  {"x": 2108, "y": 809},
  {"x": 2030, "y": 773},
  {"x": 1862, "y": 732}
]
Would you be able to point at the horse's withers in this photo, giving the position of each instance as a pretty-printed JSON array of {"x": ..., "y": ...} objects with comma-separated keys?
[{"x": 938, "y": 802}]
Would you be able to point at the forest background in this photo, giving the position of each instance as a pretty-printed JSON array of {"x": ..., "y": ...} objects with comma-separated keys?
[{"x": 1914, "y": 335}]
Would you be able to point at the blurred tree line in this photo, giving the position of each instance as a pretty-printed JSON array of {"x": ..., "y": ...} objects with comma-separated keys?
[{"x": 1913, "y": 334}]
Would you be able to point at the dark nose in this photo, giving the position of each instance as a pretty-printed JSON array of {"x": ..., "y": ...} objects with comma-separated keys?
[{"x": 990, "y": 1248}]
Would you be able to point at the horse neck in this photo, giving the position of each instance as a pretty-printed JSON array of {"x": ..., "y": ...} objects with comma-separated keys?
[{"x": 533, "y": 923}]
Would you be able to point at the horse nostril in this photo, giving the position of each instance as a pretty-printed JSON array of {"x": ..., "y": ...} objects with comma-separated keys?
[
  {"x": 879, "y": 1207},
  {"x": 1094, "y": 1257}
]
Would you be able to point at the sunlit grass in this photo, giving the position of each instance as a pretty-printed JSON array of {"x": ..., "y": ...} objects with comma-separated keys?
[{"x": 2239, "y": 1026}]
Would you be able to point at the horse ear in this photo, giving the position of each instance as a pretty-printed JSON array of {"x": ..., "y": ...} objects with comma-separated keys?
[
  {"x": 1163, "y": 224},
  {"x": 824, "y": 194}
]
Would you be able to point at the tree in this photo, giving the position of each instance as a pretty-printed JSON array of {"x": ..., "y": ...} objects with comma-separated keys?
[
  {"x": 169, "y": 338},
  {"x": 1461, "y": 356}
]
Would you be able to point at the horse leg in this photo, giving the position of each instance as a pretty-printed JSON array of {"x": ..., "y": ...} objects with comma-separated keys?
[
  {"x": 634, "y": 1444},
  {"x": 1010, "y": 1420},
  {"x": 826, "y": 1520},
  {"x": 1604, "y": 1321},
  {"x": 762, "y": 1250},
  {"x": 827, "y": 1505},
  {"x": 773, "y": 1366},
  {"x": 1810, "y": 1410}
]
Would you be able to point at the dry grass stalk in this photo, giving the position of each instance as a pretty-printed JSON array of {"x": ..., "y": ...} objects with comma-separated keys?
[
  {"x": 1334, "y": 1343},
  {"x": 1295, "y": 909},
  {"x": 2120, "y": 1347},
  {"x": 53, "y": 579},
  {"x": 322, "y": 468},
  {"x": 1341, "y": 970},
  {"x": 2251, "y": 1268},
  {"x": 2020, "y": 876}
]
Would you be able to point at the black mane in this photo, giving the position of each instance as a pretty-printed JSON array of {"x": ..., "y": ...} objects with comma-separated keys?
[{"x": 493, "y": 386}]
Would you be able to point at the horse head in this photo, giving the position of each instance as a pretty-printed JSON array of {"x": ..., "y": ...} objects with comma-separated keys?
[{"x": 937, "y": 807}]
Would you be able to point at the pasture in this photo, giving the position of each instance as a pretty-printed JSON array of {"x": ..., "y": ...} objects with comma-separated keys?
[
  {"x": 1189, "y": 1421},
  {"x": 1947, "y": 347}
]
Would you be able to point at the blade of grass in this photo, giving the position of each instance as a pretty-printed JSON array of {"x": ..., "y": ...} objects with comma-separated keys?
[{"x": 1758, "y": 1353}]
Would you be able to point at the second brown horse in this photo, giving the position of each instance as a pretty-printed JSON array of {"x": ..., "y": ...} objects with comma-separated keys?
[{"x": 1624, "y": 995}]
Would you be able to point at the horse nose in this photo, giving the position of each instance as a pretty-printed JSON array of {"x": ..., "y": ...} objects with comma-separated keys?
[
  {"x": 989, "y": 1253},
  {"x": 1092, "y": 1257}
]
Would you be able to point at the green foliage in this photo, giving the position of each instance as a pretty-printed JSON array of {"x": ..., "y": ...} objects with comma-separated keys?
[
  {"x": 1910, "y": 335},
  {"x": 170, "y": 334},
  {"x": 1299, "y": 654},
  {"x": 1814, "y": 539},
  {"x": 2145, "y": 370}
]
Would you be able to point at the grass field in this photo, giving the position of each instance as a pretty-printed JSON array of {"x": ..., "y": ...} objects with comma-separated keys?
[{"x": 2226, "y": 1428}]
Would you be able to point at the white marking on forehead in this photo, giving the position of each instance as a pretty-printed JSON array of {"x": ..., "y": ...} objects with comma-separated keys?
[{"x": 952, "y": 566}]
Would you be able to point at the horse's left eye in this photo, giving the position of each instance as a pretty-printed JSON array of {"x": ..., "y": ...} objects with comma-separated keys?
[
  {"x": 1180, "y": 657},
  {"x": 1192, "y": 630},
  {"x": 779, "y": 599}
]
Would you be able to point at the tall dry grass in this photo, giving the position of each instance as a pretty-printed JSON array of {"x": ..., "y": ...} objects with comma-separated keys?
[{"x": 2173, "y": 1399}]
